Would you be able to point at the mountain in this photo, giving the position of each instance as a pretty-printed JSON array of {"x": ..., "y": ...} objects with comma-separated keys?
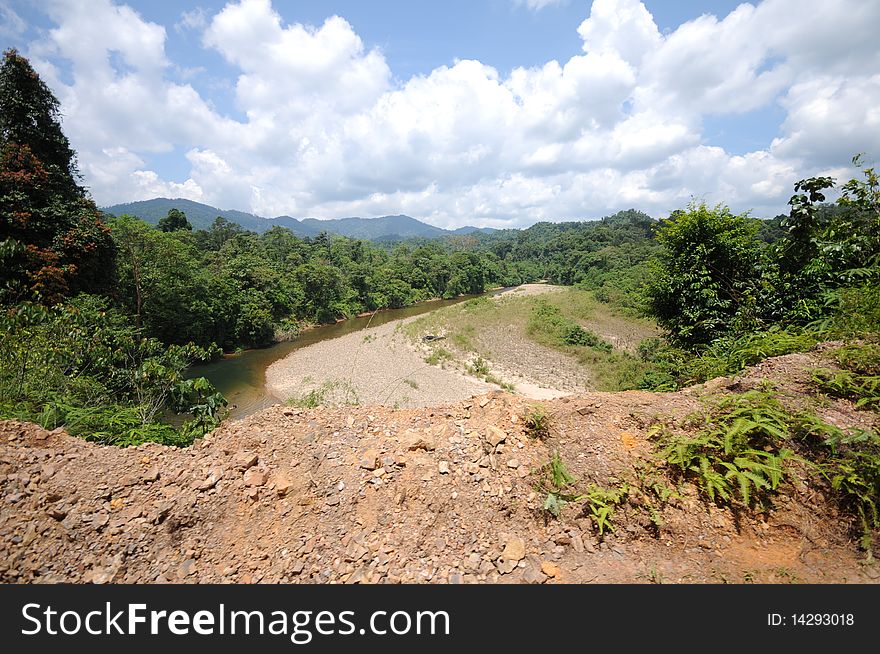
[{"x": 201, "y": 216}]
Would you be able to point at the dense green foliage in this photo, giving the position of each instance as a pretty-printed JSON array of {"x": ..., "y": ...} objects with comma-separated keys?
[
  {"x": 237, "y": 289},
  {"x": 81, "y": 364},
  {"x": 609, "y": 256},
  {"x": 52, "y": 241},
  {"x": 67, "y": 358},
  {"x": 729, "y": 299}
]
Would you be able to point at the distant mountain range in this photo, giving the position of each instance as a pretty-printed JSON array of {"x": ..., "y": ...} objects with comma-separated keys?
[{"x": 201, "y": 216}]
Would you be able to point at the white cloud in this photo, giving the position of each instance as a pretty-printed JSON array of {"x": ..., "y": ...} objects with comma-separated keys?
[
  {"x": 330, "y": 132},
  {"x": 194, "y": 19},
  {"x": 11, "y": 24},
  {"x": 538, "y": 5}
]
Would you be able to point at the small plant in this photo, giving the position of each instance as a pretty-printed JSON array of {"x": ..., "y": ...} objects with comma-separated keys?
[
  {"x": 438, "y": 356},
  {"x": 479, "y": 367},
  {"x": 602, "y": 501},
  {"x": 336, "y": 392},
  {"x": 863, "y": 390},
  {"x": 411, "y": 383},
  {"x": 537, "y": 421},
  {"x": 862, "y": 359},
  {"x": 557, "y": 483},
  {"x": 739, "y": 451}
]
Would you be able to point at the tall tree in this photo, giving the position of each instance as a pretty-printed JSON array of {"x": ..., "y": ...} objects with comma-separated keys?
[
  {"x": 706, "y": 281},
  {"x": 53, "y": 242},
  {"x": 175, "y": 221}
]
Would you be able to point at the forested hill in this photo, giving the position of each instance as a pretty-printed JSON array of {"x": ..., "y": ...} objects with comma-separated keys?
[{"x": 202, "y": 216}]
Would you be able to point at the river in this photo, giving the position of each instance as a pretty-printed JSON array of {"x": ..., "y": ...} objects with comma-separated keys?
[{"x": 242, "y": 377}]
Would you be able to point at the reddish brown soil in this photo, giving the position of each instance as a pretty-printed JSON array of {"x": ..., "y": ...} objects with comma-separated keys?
[{"x": 370, "y": 494}]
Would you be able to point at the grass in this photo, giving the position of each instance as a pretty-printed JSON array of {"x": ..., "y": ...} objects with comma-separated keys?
[
  {"x": 332, "y": 392},
  {"x": 438, "y": 356},
  {"x": 560, "y": 321}
]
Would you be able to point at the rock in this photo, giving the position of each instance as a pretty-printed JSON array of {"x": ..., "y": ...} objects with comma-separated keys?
[
  {"x": 531, "y": 575},
  {"x": 495, "y": 436},
  {"x": 443, "y": 467},
  {"x": 151, "y": 475},
  {"x": 412, "y": 441},
  {"x": 56, "y": 513},
  {"x": 577, "y": 543},
  {"x": 513, "y": 463},
  {"x": 485, "y": 401},
  {"x": 254, "y": 477},
  {"x": 211, "y": 480},
  {"x": 100, "y": 520},
  {"x": 245, "y": 460},
  {"x": 369, "y": 459},
  {"x": 551, "y": 570},
  {"x": 514, "y": 551},
  {"x": 186, "y": 568},
  {"x": 283, "y": 483}
]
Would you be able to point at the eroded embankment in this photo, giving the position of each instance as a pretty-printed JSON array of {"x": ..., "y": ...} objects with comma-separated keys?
[{"x": 370, "y": 494}]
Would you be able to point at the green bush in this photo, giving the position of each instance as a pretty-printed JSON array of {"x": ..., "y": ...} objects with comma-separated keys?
[{"x": 81, "y": 365}]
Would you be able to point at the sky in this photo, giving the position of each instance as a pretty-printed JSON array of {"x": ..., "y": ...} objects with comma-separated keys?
[{"x": 494, "y": 113}]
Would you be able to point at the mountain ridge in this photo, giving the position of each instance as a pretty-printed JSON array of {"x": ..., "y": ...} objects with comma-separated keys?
[{"x": 201, "y": 216}]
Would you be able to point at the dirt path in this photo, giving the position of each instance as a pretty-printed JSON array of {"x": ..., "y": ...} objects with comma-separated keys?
[{"x": 373, "y": 495}]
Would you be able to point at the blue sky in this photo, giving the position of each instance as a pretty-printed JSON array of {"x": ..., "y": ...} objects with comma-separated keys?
[{"x": 500, "y": 112}]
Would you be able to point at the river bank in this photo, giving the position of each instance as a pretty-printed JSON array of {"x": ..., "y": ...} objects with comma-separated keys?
[{"x": 381, "y": 365}]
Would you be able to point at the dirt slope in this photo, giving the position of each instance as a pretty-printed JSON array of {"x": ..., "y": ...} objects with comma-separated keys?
[{"x": 370, "y": 494}]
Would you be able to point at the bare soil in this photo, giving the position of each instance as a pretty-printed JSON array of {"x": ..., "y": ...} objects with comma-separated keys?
[{"x": 369, "y": 494}]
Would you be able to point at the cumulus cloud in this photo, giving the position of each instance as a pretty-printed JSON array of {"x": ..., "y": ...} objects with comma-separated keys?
[{"x": 328, "y": 131}]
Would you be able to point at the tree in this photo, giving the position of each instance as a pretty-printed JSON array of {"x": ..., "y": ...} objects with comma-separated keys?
[
  {"x": 175, "y": 221},
  {"x": 54, "y": 243},
  {"x": 705, "y": 283},
  {"x": 30, "y": 116}
]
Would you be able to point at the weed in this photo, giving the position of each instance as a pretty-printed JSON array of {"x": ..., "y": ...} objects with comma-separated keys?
[
  {"x": 739, "y": 451},
  {"x": 654, "y": 576},
  {"x": 537, "y": 421},
  {"x": 479, "y": 367},
  {"x": 602, "y": 501},
  {"x": 411, "y": 383},
  {"x": 439, "y": 355},
  {"x": 862, "y": 359},
  {"x": 863, "y": 390},
  {"x": 335, "y": 392},
  {"x": 556, "y": 482}
]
